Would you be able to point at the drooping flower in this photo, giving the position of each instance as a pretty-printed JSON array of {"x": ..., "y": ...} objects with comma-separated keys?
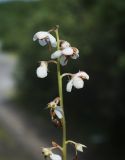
[
  {"x": 78, "y": 146},
  {"x": 45, "y": 38},
  {"x": 65, "y": 54},
  {"x": 77, "y": 81},
  {"x": 56, "y": 112},
  {"x": 42, "y": 70},
  {"x": 47, "y": 152}
]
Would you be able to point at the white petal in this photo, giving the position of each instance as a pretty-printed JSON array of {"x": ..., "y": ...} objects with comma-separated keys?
[
  {"x": 78, "y": 82},
  {"x": 65, "y": 44},
  {"x": 67, "y": 51},
  {"x": 42, "y": 42},
  {"x": 63, "y": 60},
  {"x": 69, "y": 86},
  {"x": 58, "y": 112},
  {"x": 40, "y": 35},
  {"x": 56, "y": 54},
  {"x": 79, "y": 147},
  {"x": 52, "y": 40},
  {"x": 42, "y": 70},
  {"x": 55, "y": 157},
  {"x": 46, "y": 151},
  {"x": 83, "y": 75}
]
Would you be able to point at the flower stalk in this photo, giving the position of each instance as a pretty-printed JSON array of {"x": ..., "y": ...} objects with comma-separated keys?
[
  {"x": 64, "y": 52},
  {"x": 61, "y": 98}
]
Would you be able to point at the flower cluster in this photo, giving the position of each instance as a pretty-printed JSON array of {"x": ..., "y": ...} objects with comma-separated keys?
[
  {"x": 65, "y": 52},
  {"x": 60, "y": 56}
]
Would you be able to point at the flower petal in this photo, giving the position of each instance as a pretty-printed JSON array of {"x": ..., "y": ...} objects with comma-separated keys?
[
  {"x": 64, "y": 44},
  {"x": 78, "y": 82},
  {"x": 83, "y": 75},
  {"x": 55, "y": 157},
  {"x": 52, "y": 40},
  {"x": 58, "y": 111},
  {"x": 40, "y": 35},
  {"x": 63, "y": 60},
  {"x": 67, "y": 51},
  {"x": 42, "y": 42},
  {"x": 69, "y": 86},
  {"x": 79, "y": 147},
  {"x": 56, "y": 54},
  {"x": 42, "y": 70}
]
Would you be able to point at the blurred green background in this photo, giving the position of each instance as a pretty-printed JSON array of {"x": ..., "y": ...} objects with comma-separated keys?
[{"x": 96, "y": 114}]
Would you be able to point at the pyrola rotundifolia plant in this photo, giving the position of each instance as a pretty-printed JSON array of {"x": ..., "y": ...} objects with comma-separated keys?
[{"x": 63, "y": 52}]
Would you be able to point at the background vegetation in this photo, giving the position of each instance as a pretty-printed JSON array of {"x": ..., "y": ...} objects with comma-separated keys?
[{"x": 95, "y": 114}]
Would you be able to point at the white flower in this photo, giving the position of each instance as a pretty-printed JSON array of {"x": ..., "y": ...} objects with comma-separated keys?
[
  {"x": 42, "y": 70},
  {"x": 55, "y": 157},
  {"x": 55, "y": 108},
  {"x": 47, "y": 152},
  {"x": 65, "y": 54},
  {"x": 77, "y": 81},
  {"x": 79, "y": 147},
  {"x": 45, "y": 38}
]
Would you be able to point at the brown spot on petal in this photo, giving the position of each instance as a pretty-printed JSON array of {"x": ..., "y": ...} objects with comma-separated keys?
[
  {"x": 75, "y": 50},
  {"x": 57, "y": 123},
  {"x": 54, "y": 144},
  {"x": 52, "y": 113},
  {"x": 75, "y": 158}
]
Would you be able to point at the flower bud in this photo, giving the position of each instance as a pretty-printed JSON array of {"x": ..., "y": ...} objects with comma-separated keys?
[{"x": 42, "y": 70}]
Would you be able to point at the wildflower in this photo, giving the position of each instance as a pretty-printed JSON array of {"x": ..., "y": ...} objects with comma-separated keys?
[
  {"x": 42, "y": 70},
  {"x": 47, "y": 152},
  {"x": 56, "y": 112},
  {"x": 76, "y": 80},
  {"x": 65, "y": 54},
  {"x": 45, "y": 38},
  {"x": 79, "y": 147},
  {"x": 57, "y": 109}
]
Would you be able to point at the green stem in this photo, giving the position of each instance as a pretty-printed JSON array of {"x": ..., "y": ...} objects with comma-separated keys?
[{"x": 61, "y": 99}]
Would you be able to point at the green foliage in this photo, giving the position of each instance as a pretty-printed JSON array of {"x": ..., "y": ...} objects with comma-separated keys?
[{"x": 97, "y": 28}]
